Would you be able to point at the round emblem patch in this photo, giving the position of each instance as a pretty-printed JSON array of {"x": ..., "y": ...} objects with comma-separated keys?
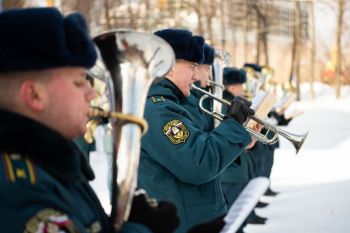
[
  {"x": 176, "y": 131},
  {"x": 50, "y": 221}
]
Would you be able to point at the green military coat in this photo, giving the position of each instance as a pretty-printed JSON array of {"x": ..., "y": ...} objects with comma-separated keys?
[
  {"x": 44, "y": 182},
  {"x": 191, "y": 104},
  {"x": 180, "y": 162}
]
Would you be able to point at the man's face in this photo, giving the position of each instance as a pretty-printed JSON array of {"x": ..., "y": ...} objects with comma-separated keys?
[
  {"x": 204, "y": 74},
  {"x": 184, "y": 75},
  {"x": 68, "y": 99},
  {"x": 235, "y": 89}
]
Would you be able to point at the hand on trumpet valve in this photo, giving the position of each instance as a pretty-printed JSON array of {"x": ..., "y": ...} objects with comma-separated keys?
[
  {"x": 240, "y": 109},
  {"x": 160, "y": 218},
  {"x": 257, "y": 128}
]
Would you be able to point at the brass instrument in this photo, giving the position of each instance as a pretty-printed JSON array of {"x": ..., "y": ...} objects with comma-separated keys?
[
  {"x": 267, "y": 73},
  {"x": 296, "y": 140},
  {"x": 128, "y": 62},
  {"x": 257, "y": 80},
  {"x": 212, "y": 84},
  {"x": 222, "y": 59},
  {"x": 251, "y": 86}
]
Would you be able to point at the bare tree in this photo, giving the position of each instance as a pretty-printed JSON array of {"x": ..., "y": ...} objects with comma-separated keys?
[
  {"x": 198, "y": 8},
  {"x": 339, "y": 48},
  {"x": 262, "y": 32},
  {"x": 232, "y": 24},
  {"x": 210, "y": 13},
  {"x": 8, "y": 4},
  {"x": 313, "y": 48},
  {"x": 296, "y": 49},
  {"x": 223, "y": 23},
  {"x": 246, "y": 29},
  {"x": 147, "y": 15}
]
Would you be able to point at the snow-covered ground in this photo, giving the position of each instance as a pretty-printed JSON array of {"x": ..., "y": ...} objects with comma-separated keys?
[{"x": 315, "y": 184}]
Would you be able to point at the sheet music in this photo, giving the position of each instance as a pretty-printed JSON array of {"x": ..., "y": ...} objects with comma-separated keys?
[
  {"x": 258, "y": 98},
  {"x": 245, "y": 203}
]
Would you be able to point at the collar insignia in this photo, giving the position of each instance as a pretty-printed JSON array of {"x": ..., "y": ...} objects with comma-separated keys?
[{"x": 176, "y": 132}]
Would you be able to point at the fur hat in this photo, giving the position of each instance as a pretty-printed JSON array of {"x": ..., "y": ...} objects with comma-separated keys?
[
  {"x": 209, "y": 54},
  {"x": 41, "y": 38},
  {"x": 234, "y": 76},
  {"x": 256, "y": 67},
  {"x": 185, "y": 45}
]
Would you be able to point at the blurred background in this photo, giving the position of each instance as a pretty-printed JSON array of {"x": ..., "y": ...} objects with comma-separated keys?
[{"x": 305, "y": 41}]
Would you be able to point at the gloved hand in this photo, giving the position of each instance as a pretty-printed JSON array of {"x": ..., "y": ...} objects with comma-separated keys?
[
  {"x": 213, "y": 226},
  {"x": 240, "y": 109},
  {"x": 160, "y": 219}
]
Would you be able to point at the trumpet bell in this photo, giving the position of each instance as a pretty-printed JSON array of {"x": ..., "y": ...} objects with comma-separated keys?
[{"x": 296, "y": 140}]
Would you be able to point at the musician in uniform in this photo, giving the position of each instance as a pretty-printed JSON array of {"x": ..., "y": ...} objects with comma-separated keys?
[
  {"x": 237, "y": 175},
  {"x": 263, "y": 157},
  {"x": 180, "y": 162},
  {"x": 191, "y": 103},
  {"x": 44, "y": 104}
]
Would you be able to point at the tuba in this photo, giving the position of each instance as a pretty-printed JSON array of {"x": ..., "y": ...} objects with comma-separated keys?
[
  {"x": 128, "y": 63},
  {"x": 222, "y": 59}
]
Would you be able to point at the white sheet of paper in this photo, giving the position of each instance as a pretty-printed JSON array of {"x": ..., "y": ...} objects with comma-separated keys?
[{"x": 245, "y": 203}]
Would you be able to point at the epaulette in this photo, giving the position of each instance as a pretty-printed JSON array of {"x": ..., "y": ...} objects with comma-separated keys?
[
  {"x": 157, "y": 99},
  {"x": 18, "y": 169}
]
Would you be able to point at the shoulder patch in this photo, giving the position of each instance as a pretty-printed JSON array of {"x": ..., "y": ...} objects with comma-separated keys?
[
  {"x": 50, "y": 220},
  {"x": 176, "y": 131},
  {"x": 157, "y": 99},
  {"x": 17, "y": 168}
]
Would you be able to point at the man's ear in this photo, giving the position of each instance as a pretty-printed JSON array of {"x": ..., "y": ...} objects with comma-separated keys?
[
  {"x": 33, "y": 94},
  {"x": 170, "y": 73}
]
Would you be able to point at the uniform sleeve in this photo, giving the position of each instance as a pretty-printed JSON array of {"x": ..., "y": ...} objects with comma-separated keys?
[
  {"x": 25, "y": 208},
  {"x": 32, "y": 201},
  {"x": 193, "y": 156}
]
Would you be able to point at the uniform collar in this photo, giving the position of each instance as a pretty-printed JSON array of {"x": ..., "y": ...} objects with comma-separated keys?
[
  {"x": 165, "y": 87},
  {"x": 56, "y": 155},
  {"x": 227, "y": 95}
]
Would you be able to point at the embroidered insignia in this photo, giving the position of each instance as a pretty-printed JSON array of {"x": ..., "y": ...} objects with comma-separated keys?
[
  {"x": 50, "y": 221},
  {"x": 157, "y": 99},
  {"x": 95, "y": 227},
  {"x": 176, "y": 131},
  {"x": 18, "y": 168}
]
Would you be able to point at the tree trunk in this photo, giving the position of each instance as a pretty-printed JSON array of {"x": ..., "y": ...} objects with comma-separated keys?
[
  {"x": 246, "y": 28},
  {"x": 313, "y": 49},
  {"x": 233, "y": 31},
  {"x": 298, "y": 48},
  {"x": 146, "y": 19},
  {"x": 262, "y": 32},
  {"x": 223, "y": 24},
  {"x": 107, "y": 14},
  {"x": 8, "y": 4},
  {"x": 295, "y": 68},
  {"x": 210, "y": 11},
  {"x": 338, "y": 63},
  {"x": 198, "y": 9}
]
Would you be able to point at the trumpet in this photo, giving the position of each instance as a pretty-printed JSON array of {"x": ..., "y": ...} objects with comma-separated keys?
[
  {"x": 212, "y": 84},
  {"x": 296, "y": 140}
]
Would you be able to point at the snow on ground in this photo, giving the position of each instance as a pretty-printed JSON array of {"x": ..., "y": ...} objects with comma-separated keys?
[{"x": 315, "y": 184}]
